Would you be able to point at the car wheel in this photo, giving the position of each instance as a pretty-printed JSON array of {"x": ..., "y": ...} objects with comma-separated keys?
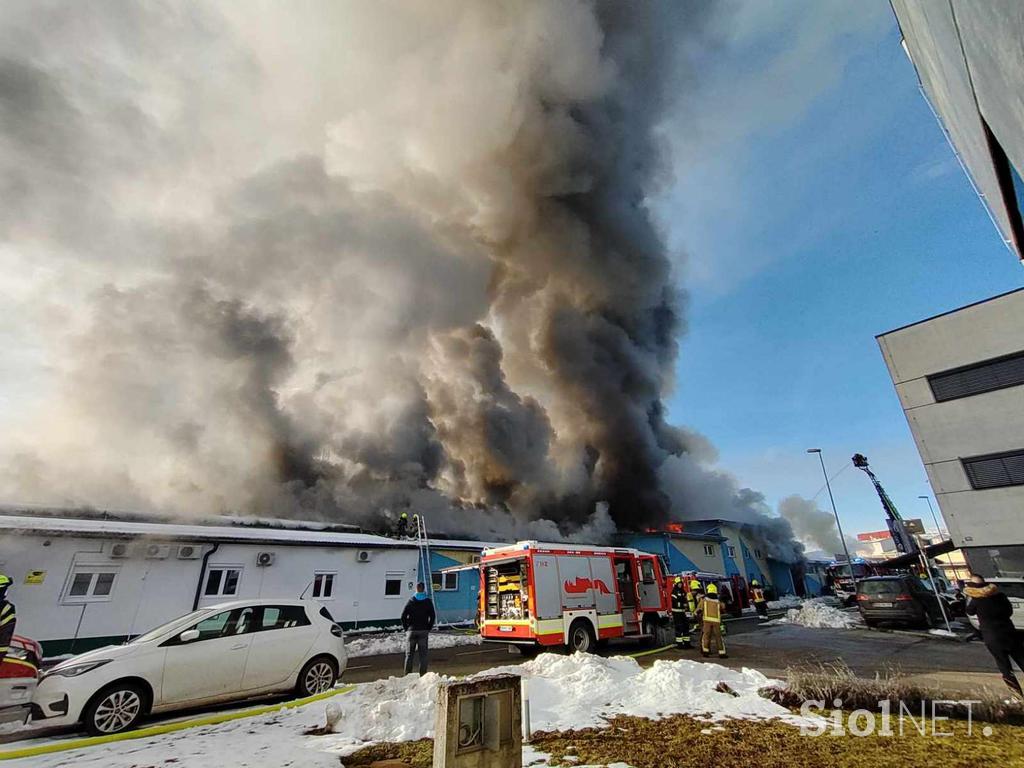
[
  {"x": 528, "y": 651},
  {"x": 115, "y": 709},
  {"x": 318, "y": 676},
  {"x": 581, "y": 639}
]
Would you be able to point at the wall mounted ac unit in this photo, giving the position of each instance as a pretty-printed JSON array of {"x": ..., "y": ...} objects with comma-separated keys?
[
  {"x": 364, "y": 556},
  {"x": 188, "y": 552},
  {"x": 119, "y": 550},
  {"x": 157, "y": 551},
  {"x": 263, "y": 559}
]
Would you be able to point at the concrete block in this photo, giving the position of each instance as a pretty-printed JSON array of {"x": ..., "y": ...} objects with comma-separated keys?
[{"x": 478, "y": 723}]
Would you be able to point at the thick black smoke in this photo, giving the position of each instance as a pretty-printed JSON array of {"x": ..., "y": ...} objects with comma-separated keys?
[{"x": 346, "y": 259}]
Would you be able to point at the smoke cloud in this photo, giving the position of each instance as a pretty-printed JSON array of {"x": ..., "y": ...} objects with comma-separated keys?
[
  {"x": 814, "y": 526},
  {"x": 345, "y": 259}
]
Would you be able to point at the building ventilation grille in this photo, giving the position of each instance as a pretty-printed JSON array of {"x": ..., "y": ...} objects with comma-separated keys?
[
  {"x": 978, "y": 378},
  {"x": 995, "y": 471}
]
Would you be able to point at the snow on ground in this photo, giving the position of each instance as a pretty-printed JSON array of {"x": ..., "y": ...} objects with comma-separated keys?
[
  {"x": 786, "y": 601},
  {"x": 943, "y": 633},
  {"x": 820, "y": 613},
  {"x": 394, "y": 642},
  {"x": 564, "y": 691}
]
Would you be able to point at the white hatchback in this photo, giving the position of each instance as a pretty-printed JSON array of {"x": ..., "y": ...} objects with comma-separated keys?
[{"x": 234, "y": 650}]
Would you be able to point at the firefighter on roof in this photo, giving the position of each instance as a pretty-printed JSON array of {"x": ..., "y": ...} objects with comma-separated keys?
[
  {"x": 403, "y": 525},
  {"x": 7, "y": 617},
  {"x": 679, "y": 614},
  {"x": 759, "y": 602},
  {"x": 711, "y": 615}
]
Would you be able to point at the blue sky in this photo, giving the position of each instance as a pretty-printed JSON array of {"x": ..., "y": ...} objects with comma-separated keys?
[{"x": 818, "y": 204}]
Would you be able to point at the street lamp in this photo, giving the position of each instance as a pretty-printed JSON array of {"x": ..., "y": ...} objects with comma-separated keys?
[
  {"x": 842, "y": 538},
  {"x": 935, "y": 520}
]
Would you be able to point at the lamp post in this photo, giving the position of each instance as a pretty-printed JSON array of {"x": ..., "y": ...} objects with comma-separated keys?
[{"x": 842, "y": 538}]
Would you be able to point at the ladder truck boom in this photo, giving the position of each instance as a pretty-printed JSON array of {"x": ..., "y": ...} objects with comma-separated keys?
[{"x": 897, "y": 525}]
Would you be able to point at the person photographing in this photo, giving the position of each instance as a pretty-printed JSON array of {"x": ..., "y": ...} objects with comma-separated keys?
[{"x": 418, "y": 619}]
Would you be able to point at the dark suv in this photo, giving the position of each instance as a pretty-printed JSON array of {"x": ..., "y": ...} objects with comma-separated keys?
[{"x": 902, "y": 599}]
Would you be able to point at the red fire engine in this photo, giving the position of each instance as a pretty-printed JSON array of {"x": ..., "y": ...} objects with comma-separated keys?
[{"x": 534, "y": 594}]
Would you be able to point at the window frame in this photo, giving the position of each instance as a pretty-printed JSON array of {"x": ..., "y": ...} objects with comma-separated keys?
[
  {"x": 731, "y": 549},
  {"x": 224, "y": 568},
  {"x": 444, "y": 581},
  {"x": 757, "y": 554},
  {"x": 398, "y": 576},
  {"x": 94, "y": 571},
  {"x": 709, "y": 550},
  {"x": 261, "y": 612},
  {"x": 975, "y": 366},
  {"x": 966, "y": 461},
  {"x": 329, "y": 578}
]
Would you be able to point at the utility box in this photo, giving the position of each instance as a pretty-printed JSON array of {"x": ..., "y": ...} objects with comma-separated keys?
[{"x": 479, "y": 724}]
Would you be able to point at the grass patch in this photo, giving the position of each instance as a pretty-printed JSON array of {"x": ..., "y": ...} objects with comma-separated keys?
[
  {"x": 685, "y": 741},
  {"x": 828, "y": 682},
  {"x": 418, "y": 754}
]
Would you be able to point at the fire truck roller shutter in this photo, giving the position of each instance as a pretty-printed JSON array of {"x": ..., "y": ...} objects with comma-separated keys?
[
  {"x": 601, "y": 573},
  {"x": 576, "y": 584},
  {"x": 547, "y": 589}
]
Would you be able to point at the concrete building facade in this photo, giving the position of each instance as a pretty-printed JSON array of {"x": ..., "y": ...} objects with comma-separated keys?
[
  {"x": 970, "y": 61},
  {"x": 960, "y": 380}
]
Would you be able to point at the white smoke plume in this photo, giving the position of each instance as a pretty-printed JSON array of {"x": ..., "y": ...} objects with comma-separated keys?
[
  {"x": 336, "y": 260},
  {"x": 814, "y": 526}
]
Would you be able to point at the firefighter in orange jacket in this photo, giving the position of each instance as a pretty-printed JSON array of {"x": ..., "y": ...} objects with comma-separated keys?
[
  {"x": 760, "y": 604},
  {"x": 679, "y": 618},
  {"x": 711, "y": 614}
]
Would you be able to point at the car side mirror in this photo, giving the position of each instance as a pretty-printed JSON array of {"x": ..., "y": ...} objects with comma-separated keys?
[{"x": 189, "y": 635}]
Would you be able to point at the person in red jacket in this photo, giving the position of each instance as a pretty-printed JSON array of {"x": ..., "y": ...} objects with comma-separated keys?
[{"x": 1000, "y": 636}]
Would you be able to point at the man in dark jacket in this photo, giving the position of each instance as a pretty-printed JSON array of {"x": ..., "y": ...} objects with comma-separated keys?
[
  {"x": 993, "y": 610},
  {"x": 679, "y": 618},
  {"x": 417, "y": 620},
  {"x": 8, "y": 618}
]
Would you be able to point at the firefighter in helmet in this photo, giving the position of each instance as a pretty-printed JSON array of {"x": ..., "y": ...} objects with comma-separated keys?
[
  {"x": 403, "y": 525},
  {"x": 760, "y": 604},
  {"x": 679, "y": 614},
  {"x": 711, "y": 616},
  {"x": 8, "y": 619},
  {"x": 692, "y": 598}
]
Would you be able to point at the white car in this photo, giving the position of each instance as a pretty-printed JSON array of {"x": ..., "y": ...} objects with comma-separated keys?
[{"x": 229, "y": 651}]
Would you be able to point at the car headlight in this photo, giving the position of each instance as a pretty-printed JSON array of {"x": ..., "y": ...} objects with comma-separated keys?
[{"x": 74, "y": 670}]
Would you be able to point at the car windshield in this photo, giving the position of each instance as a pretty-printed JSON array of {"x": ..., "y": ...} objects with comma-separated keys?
[{"x": 185, "y": 620}]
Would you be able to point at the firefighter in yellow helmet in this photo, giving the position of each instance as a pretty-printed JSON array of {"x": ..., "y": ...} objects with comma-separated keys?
[
  {"x": 403, "y": 525},
  {"x": 680, "y": 619},
  {"x": 711, "y": 616},
  {"x": 8, "y": 618},
  {"x": 760, "y": 604}
]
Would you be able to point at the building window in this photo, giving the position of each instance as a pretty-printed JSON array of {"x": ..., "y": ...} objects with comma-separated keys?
[
  {"x": 996, "y": 470},
  {"x": 732, "y": 551},
  {"x": 444, "y": 582},
  {"x": 709, "y": 550},
  {"x": 222, "y": 582},
  {"x": 978, "y": 378},
  {"x": 393, "y": 584},
  {"x": 323, "y": 585},
  {"x": 757, "y": 553},
  {"x": 90, "y": 584}
]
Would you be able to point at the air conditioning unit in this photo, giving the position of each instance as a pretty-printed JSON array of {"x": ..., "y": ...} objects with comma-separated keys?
[
  {"x": 157, "y": 551},
  {"x": 188, "y": 552},
  {"x": 263, "y": 559},
  {"x": 120, "y": 549},
  {"x": 364, "y": 556}
]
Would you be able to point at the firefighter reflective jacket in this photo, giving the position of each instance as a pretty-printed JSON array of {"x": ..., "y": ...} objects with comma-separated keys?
[
  {"x": 678, "y": 599},
  {"x": 758, "y": 595},
  {"x": 7, "y": 621},
  {"x": 711, "y": 608}
]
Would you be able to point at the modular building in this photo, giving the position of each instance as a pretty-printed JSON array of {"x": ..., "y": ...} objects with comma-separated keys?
[
  {"x": 83, "y": 583},
  {"x": 960, "y": 380}
]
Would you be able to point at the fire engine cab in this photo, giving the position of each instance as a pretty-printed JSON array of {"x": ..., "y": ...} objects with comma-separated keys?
[{"x": 535, "y": 595}]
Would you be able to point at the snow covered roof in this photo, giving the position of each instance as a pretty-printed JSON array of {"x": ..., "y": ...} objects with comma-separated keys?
[{"x": 122, "y": 529}]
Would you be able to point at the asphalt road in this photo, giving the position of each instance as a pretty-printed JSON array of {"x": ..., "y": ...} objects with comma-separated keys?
[{"x": 955, "y": 667}]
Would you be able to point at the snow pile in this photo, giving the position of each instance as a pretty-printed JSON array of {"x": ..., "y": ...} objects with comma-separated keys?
[
  {"x": 819, "y": 614},
  {"x": 943, "y": 633},
  {"x": 565, "y": 692},
  {"x": 786, "y": 601},
  {"x": 394, "y": 642}
]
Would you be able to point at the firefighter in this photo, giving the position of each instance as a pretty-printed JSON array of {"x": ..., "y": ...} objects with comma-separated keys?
[
  {"x": 691, "y": 598},
  {"x": 403, "y": 525},
  {"x": 711, "y": 616},
  {"x": 679, "y": 614},
  {"x": 760, "y": 604},
  {"x": 8, "y": 619}
]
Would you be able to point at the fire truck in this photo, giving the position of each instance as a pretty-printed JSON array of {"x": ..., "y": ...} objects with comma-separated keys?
[{"x": 535, "y": 595}]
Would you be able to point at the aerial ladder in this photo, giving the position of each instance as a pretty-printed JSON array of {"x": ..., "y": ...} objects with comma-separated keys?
[
  {"x": 423, "y": 545},
  {"x": 901, "y": 537}
]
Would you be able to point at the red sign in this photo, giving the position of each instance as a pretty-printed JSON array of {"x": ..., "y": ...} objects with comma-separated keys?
[{"x": 582, "y": 584}]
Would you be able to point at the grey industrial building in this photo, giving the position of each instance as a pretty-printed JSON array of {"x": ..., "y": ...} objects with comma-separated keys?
[
  {"x": 969, "y": 56},
  {"x": 960, "y": 380}
]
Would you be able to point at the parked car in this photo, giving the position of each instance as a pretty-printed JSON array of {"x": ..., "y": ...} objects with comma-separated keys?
[
  {"x": 18, "y": 678},
  {"x": 230, "y": 651},
  {"x": 901, "y": 599}
]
